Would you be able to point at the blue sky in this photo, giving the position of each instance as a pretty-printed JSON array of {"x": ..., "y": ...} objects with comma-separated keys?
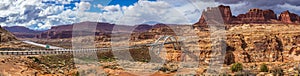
[{"x": 95, "y": 2}]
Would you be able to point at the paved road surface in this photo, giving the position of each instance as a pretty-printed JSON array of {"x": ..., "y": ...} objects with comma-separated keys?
[{"x": 42, "y": 45}]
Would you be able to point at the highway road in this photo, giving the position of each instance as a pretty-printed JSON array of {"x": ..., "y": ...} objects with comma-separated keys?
[{"x": 42, "y": 45}]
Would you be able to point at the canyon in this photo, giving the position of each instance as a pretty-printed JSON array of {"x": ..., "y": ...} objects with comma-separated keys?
[
  {"x": 9, "y": 42},
  {"x": 258, "y": 36}
]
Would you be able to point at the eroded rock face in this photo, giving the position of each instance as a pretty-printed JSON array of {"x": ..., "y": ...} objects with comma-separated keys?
[
  {"x": 226, "y": 13},
  {"x": 254, "y": 15},
  {"x": 223, "y": 11},
  {"x": 263, "y": 43},
  {"x": 288, "y": 17},
  {"x": 257, "y": 16},
  {"x": 153, "y": 32},
  {"x": 6, "y": 36},
  {"x": 256, "y": 48}
]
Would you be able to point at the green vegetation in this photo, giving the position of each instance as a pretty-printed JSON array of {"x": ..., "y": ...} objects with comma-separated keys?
[
  {"x": 138, "y": 54},
  {"x": 106, "y": 59},
  {"x": 236, "y": 67},
  {"x": 264, "y": 68},
  {"x": 49, "y": 64}
]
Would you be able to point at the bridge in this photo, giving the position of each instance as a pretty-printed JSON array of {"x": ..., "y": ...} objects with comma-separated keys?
[{"x": 157, "y": 46}]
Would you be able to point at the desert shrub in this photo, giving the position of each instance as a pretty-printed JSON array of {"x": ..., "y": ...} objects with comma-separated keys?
[
  {"x": 106, "y": 59},
  {"x": 277, "y": 71},
  {"x": 264, "y": 68},
  {"x": 49, "y": 64},
  {"x": 236, "y": 67},
  {"x": 140, "y": 54}
]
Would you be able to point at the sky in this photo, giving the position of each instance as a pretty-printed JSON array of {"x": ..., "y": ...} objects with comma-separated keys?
[{"x": 43, "y": 14}]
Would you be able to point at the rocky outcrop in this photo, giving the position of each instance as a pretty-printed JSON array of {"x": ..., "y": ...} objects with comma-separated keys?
[
  {"x": 254, "y": 15},
  {"x": 152, "y": 33},
  {"x": 225, "y": 13},
  {"x": 6, "y": 36},
  {"x": 257, "y": 16},
  {"x": 288, "y": 17},
  {"x": 264, "y": 43}
]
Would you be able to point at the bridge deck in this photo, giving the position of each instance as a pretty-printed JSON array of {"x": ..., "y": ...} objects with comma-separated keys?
[{"x": 62, "y": 51}]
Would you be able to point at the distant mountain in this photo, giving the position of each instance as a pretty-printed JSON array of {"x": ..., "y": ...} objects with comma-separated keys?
[
  {"x": 6, "y": 36},
  {"x": 151, "y": 22},
  {"x": 22, "y": 32},
  {"x": 102, "y": 29}
]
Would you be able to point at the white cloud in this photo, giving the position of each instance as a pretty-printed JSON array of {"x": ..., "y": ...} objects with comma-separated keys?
[
  {"x": 83, "y": 6},
  {"x": 289, "y": 6},
  {"x": 99, "y": 6},
  {"x": 112, "y": 8},
  {"x": 59, "y": 1},
  {"x": 36, "y": 15},
  {"x": 51, "y": 10},
  {"x": 163, "y": 12}
]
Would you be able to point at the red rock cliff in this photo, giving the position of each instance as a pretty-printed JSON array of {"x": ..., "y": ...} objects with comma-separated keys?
[
  {"x": 254, "y": 15},
  {"x": 288, "y": 17},
  {"x": 257, "y": 16},
  {"x": 225, "y": 12}
]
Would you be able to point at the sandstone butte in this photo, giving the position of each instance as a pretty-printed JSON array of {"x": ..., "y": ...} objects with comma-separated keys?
[{"x": 254, "y": 15}]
